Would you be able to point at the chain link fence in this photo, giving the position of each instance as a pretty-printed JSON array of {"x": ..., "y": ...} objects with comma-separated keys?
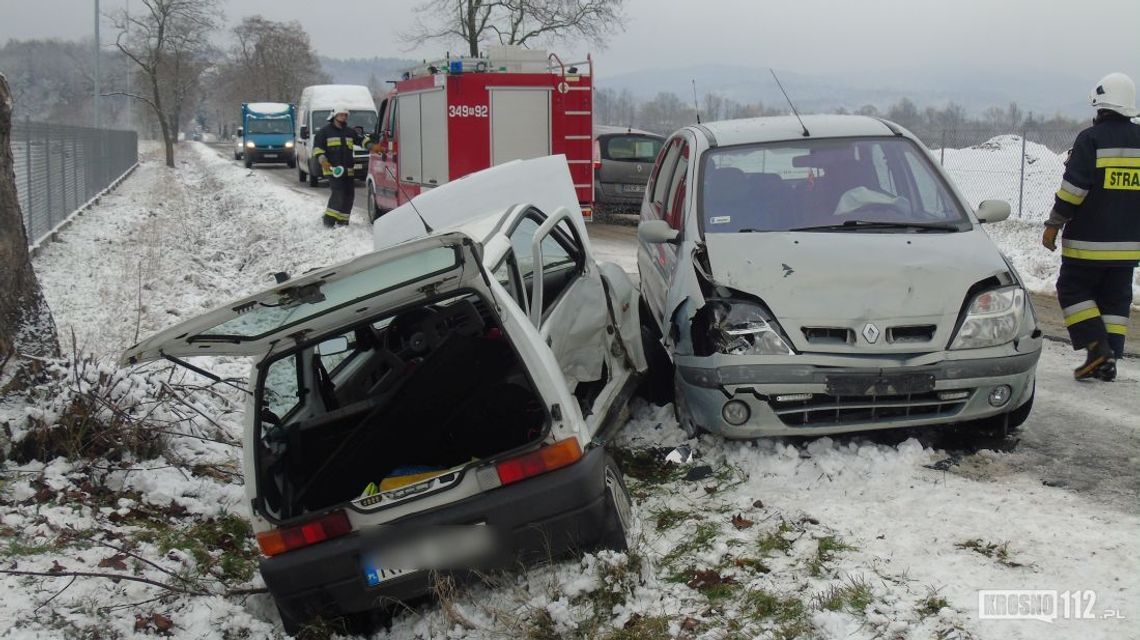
[
  {"x": 60, "y": 169},
  {"x": 1023, "y": 168}
]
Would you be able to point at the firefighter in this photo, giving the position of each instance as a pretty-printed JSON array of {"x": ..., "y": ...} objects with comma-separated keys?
[
  {"x": 1098, "y": 206},
  {"x": 333, "y": 146}
]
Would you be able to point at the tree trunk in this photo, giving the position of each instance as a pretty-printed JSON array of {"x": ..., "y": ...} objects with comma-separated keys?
[{"x": 26, "y": 325}]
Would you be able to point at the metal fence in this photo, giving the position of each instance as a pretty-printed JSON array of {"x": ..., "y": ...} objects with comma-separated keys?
[
  {"x": 60, "y": 169},
  {"x": 1023, "y": 168}
]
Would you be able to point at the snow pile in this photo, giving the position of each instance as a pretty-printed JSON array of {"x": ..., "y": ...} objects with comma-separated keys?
[{"x": 992, "y": 171}]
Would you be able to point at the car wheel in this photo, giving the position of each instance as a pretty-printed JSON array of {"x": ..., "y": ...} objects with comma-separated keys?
[
  {"x": 619, "y": 510},
  {"x": 248, "y": 162},
  {"x": 291, "y": 163},
  {"x": 657, "y": 385},
  {"x": 373, "y": 212},
  {"x": 681, "y": 410},
  {"x": 314, "y": 179}
]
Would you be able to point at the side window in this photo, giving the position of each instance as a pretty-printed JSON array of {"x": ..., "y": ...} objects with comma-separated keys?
[
  {"x": 507, "y": 275},
  {"x": 282, "y": 388},
  {"x": 676, "y": 211},
  {"x": 662, "y": 174},
  {"x": 562, "y": 258}
]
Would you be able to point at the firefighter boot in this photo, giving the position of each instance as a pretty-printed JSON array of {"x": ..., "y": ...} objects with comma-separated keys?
[
  {"x": 1107, "y": 371},
  {"x": 328, "y": 220},
  {"x": 1098, "y": 355}
]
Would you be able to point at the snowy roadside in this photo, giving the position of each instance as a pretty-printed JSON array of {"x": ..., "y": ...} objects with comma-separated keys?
[{"x": 833, "y": 538}]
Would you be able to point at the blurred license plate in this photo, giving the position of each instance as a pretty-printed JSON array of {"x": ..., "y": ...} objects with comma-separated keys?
[
  {"x": 634, "y": 188},
  {"x": 269, "y": 155},
  {"x": 870, "y": 384},
  {"x": 374, "y": 574}
]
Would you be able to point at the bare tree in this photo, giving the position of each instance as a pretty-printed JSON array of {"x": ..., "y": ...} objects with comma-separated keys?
[
  {"x": 515, "y": 22},
  {"x": 26, "y": 325},
  {"x": 169, "y": 42},
  {"x": 276, "y": 58}
]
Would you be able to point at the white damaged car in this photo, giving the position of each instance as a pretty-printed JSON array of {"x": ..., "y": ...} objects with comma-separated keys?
[
  {"x": 439, "y": 404},
  {"x": 825, "y": 276}
]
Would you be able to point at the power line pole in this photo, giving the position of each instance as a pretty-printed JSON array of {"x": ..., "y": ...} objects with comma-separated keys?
[{"x": 97, "y": 47}]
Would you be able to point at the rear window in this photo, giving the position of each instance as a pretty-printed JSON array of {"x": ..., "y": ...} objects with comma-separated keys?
[{"x": 630, "y": 148}]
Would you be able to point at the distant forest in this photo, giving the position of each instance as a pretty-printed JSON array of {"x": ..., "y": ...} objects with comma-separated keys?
[{"x": 52, "y": 81}]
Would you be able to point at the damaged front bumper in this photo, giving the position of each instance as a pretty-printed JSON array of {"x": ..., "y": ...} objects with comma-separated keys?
[{"x": 820, "y": 394}]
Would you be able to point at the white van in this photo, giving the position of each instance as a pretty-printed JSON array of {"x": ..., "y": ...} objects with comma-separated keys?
[{"x": 313, "y": 109}]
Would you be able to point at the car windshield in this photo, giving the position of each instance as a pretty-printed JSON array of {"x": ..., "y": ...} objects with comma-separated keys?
[
  {"x": 631, "y": 148},
  {"x": 851, "y": 183},
  {"x": 269, "y": 125},
  {"x": 366, "y": 120}
]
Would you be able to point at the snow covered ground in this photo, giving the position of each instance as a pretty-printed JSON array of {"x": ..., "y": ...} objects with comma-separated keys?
[{"x": 883, "y": 536}]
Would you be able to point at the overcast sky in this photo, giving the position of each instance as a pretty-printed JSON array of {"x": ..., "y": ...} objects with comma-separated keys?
[{"x": 1083, "y": 39}]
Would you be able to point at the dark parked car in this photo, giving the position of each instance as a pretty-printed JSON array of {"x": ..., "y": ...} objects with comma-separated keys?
[{"x": 623, "y": 160}]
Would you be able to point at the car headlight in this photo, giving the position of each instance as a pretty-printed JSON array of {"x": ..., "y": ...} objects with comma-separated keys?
[
  {"x": 288, "y": 144},
  {"x": 992, "y": 319},
  {"x": 249, "y": 144},
  {"x": 745, "y": 329}
]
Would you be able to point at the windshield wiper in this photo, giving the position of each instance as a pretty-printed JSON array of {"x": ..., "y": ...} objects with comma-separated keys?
[{"x": 872, "y": 224}]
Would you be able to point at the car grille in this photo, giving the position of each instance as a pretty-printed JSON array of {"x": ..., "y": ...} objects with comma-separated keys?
[
  {"x": 823, "y": 409},
  {"x": 828, "y": 335},
  {"x": 913, "y": 333}
]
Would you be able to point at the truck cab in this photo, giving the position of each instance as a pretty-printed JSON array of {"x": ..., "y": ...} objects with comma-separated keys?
[
  {"x": 266, "y": 133},
  {"x": 449, "y": 118}
]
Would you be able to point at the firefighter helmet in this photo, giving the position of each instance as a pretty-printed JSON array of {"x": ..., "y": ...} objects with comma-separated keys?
[
  {"x": 1115, "y": 92},
  {"x": 338, "y": 109}
]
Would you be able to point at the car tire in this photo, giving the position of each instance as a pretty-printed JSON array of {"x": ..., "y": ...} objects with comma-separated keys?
[
  {"x": 314, "y": 179},
  {"x": 373, "y": 211},
  {"x": 657, "y": 384},
  {"x": 291, "y": 163},
  {"x": 248, "y": 162},
  {"x": 684, "y": 416},
  {"x": 616, "y": 533}
]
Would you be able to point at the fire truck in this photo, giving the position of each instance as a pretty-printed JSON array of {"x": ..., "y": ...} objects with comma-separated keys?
[{"x": 445, "y": 119}]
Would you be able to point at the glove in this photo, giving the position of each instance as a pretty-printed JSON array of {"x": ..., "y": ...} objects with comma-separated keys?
[
  {"x": 1049, "y": 238},
  {"x": 337, "y": 172}
]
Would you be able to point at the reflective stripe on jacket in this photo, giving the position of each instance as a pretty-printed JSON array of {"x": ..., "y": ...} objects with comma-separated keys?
[
  {"x": 336, "y": 144},
  {"x": 1100, "y": 195}
]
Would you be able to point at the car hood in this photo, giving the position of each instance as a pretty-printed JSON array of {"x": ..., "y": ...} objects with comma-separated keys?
[
  {"x": 846, "y": 279},
  {"x": 321, "y": 301}
]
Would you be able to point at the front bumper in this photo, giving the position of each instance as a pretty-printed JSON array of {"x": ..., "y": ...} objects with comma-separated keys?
[
  {"x": 258, "y": 154},
  {"x": 541, "y": 517},
  {"x": 960, "y": 393}
]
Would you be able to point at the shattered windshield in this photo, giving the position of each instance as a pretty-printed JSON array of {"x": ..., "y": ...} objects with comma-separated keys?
[
  {"x": 804, "y": 185},
  {"x": 290, "y": 305}
]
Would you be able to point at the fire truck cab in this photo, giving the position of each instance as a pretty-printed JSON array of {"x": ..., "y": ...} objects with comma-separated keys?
[{"x": 448, "y": 118}]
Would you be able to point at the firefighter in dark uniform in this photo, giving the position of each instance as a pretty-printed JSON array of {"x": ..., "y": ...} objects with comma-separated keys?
[
  {"x": 1098, "y": 205},
  {"x": 333, "y": 146}
]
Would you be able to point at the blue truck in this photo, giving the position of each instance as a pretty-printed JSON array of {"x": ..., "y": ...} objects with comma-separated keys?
[{"x": 266, "y": 133}]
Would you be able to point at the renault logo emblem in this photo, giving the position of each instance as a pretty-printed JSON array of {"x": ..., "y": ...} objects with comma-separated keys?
[
  {"x": 870, "y": 332},
  {"x": 639, "y": 168}
]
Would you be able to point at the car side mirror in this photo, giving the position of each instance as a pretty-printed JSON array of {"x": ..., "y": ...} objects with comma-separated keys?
[
  {"x": 304, "y": 131},
  {"x": 993, "y": 211},
  {"x": 656, "y": 232}
]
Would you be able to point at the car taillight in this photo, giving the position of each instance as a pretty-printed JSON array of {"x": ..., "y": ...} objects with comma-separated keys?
[
  {"x": 327, "y": 527},
  {"x": 548, "y": 458}
]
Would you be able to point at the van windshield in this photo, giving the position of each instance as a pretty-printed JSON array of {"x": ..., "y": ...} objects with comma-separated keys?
[
  {"x": 819, "y": 184},
  {"x": 366, "y": 120},
  {"x": 270, "y": 125}
]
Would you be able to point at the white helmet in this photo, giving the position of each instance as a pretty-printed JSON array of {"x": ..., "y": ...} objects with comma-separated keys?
[
  {"x": 339, "y": 109},
  {"x": 1115, "y": 92}
]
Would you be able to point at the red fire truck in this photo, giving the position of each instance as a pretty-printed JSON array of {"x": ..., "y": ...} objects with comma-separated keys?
[{"x": 452, "y": 117}]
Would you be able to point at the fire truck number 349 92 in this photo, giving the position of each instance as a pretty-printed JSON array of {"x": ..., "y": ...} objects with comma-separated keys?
[{"x": 467, "y": 111}]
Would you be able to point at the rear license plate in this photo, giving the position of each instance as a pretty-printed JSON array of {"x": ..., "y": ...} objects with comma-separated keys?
[
  {"x": 870, "y": 384},
  {"x": 634, "y": 188},
  {"x": 374, "y": 574}
]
